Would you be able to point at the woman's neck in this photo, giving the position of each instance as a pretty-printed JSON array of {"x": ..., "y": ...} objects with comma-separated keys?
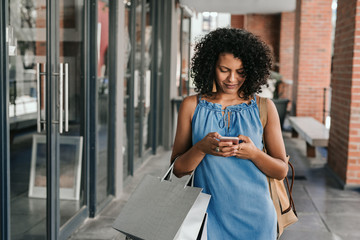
[{"x": 227, "y": 99}]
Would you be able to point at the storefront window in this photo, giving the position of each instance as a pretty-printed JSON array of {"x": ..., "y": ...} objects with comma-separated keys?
[
  {"x": 27, "y": 106},
  {"x": 209, "y": 21},
  {"x": 102, "y": 101},
  {"x": 183, "y": 55},
  {"x": 141, "y": 81},
  {"x": 185, "y": 58},
  {"x": 127, "y": 79}
]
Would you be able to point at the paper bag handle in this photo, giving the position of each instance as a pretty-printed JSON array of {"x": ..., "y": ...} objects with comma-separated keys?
[{"x": 167, "y": 176}]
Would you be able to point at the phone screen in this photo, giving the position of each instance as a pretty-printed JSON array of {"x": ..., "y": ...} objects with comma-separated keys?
[{"x": 235, "y": 140}]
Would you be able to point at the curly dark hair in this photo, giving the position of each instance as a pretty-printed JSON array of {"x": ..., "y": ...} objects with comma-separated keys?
[{"x": 255, "y": 55}]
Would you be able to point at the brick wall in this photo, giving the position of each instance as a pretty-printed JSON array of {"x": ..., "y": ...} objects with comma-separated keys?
[
  {"x": 237, "y": 21},
  {"x": 312, "y": 61},
  {"x": 267, "y": 26},
  {"x": 344, "y": 142},
  {"x": 286, "y": 51}
]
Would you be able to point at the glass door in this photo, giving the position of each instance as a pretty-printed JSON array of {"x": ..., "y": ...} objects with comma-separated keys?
[
  {"x": 46, "y": 112},
  {"x": 26, "y": 106},
  {"x": 142, "y": 80},
  {"x": 138, "y": 83},
  {"x": 71, "y": 186},
  {"x": 127, "y": 91},
  {"x": 102, "y": 102}
]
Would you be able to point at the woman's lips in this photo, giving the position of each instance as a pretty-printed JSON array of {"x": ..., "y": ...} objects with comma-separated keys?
[{"x": 231, "y": 86}]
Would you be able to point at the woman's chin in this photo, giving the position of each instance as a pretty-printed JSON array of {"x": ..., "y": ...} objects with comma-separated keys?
[{"x": 231, "y": 90}]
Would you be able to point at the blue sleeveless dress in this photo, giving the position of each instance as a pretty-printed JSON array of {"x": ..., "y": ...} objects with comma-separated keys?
[{"x": 240, "y": 206}]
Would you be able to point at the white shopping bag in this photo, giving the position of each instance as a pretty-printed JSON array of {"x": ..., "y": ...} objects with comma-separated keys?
[{"x": 192, "y": 224}]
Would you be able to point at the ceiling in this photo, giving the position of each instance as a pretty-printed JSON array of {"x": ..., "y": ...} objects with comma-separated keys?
[{"x": 241, "y": 6}]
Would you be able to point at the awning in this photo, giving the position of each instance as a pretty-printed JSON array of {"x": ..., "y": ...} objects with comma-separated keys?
[{"x": 241, "y": 6}]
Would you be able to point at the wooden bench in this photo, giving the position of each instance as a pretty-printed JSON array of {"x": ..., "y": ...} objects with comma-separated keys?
[{"x": 312, "y": 131}]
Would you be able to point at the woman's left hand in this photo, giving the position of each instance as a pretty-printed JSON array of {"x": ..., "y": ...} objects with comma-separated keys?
[{"x": 246, "y": 148}]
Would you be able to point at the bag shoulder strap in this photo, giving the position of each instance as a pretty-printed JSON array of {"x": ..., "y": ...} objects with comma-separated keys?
[
  {"x": 262, "y": 105},
  {"x": 198, "y": 98}
]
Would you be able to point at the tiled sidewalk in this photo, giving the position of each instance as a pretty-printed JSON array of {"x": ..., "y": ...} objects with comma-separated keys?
[{"x": 325, "y": 211}]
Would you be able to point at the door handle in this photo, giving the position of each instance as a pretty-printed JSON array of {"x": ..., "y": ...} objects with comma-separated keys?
[
  {"x": 66, "y": 97},
  {"x": 38, "y": 90},
  {"x": 39, "y": 73},
  {"x": 63, "y": 97}
]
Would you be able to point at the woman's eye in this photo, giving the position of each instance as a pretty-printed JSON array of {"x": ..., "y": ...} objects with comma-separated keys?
[
  {"x": 241, "y": 73},
  {"x": 223, "y": 70}
]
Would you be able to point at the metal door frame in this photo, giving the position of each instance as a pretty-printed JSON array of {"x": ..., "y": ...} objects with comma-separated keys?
[
  {"x": 130, "y": 115},
  {"x": 5, "y": 229},
  {"x": 69, "y": 227},
  {"x": 52, "y": 146},
  {"x": 91, "y": 104},
  {"x": 91, "y": 151},
  {"x": 52, "y": 168},
  {"x": 154, "y": 83},
  {"x": 155, "y": 16},
  {"x": 113, "y": 62}
]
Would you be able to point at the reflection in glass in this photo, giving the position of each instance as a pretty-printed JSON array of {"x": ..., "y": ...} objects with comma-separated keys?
[
  {"x": 142, "y": 80},
  {"x": 40, "y": 167},
  {"x": 127, "y": 79},
  {"x": 70, "y": 167},
  {"x": 138, "y": 20},
  {"x": 70, "y": 49},
  {"x": 147, "y": 134},
  {"x": 185, "y": 65},
  {"x": 27, "y": 19},
  {"x": 102, "y": 101},
  {"x": 67, "y": 170},
  {"x": 138, "y": 84},
  {"x": 160, "y": 66},
  {"x": 178, "y": 55}
]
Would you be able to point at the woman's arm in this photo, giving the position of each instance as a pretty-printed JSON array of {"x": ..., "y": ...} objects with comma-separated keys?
[
  {"x": 274, "y": 163},
  {"x": 187, "y": 156}
]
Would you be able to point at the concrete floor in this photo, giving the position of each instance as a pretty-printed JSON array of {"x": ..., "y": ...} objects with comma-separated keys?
[{"x": 325, "y": 210}]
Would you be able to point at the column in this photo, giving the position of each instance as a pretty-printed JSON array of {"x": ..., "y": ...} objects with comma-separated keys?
[
  {"x": 286, "y": 55},
  {"x": 344, "y": 141},
  {"x": 312, "y": 62}
]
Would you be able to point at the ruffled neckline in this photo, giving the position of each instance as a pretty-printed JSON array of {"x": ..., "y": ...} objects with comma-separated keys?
[{"x": 218, "y": 107}]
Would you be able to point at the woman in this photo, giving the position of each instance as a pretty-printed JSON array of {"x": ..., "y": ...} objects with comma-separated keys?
[{"x": 229, "y": 66}]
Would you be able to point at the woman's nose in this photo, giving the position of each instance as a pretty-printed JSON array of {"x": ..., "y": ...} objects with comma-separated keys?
[{"x": 232, "y": 77}]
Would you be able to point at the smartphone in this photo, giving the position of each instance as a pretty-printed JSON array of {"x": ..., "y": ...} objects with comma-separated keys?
[{"x": 235, "y": 140}]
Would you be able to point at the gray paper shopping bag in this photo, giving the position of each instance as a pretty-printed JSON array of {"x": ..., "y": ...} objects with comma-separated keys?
[{"x": 157, "y": 210}]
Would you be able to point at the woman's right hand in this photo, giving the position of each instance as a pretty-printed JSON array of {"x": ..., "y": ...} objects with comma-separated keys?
[{"x": 211, "y": 145}]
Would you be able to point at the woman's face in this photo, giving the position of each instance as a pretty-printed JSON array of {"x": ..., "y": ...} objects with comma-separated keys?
[{"x": 229, "y": 73}]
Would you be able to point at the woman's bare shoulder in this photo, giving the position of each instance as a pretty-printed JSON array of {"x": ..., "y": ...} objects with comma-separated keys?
[
  {"x": 188, "y": 105},
  {"x": 190, "y": 100}
]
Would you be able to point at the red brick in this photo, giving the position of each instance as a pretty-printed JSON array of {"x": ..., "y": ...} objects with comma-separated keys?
[
  {"x": 345, "y": 107},
  {"x": 237, "y": 21},
  {"x": 286, "y": 55},
  {"x": 313, "y": 44},
  {"x": 354, "y": 181}
]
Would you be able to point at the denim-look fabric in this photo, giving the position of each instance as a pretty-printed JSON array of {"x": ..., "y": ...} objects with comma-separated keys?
[{"x": 240, "y": 205}]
